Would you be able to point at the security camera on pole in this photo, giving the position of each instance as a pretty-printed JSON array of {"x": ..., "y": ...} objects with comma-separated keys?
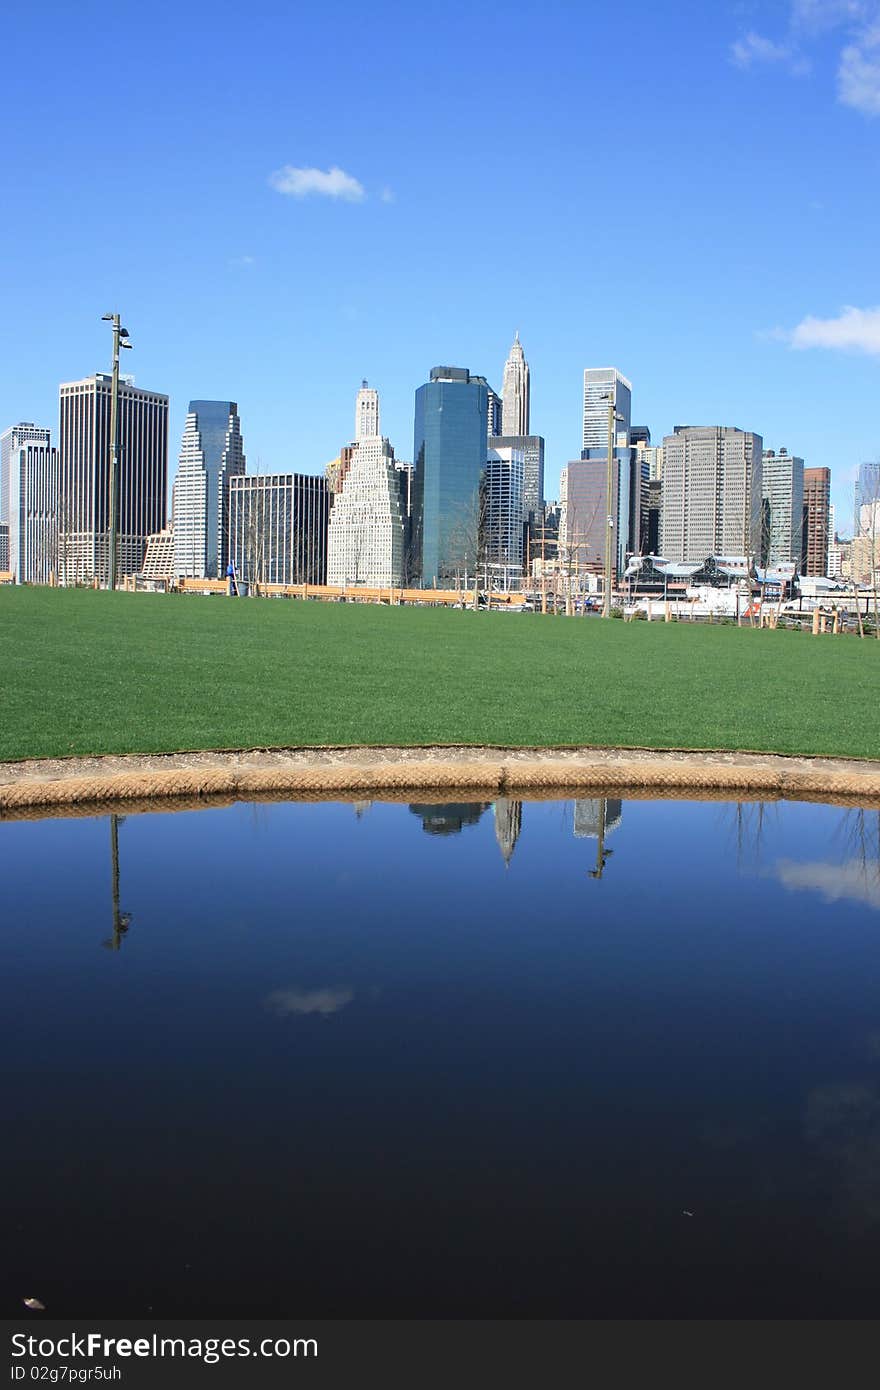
[{"x": 120, "y": 340}]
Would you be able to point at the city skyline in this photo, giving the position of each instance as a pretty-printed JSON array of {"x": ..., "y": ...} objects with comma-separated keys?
[{"x": 330, "y": 261}]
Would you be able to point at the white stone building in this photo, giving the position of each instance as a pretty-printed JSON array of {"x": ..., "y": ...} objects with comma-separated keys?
[{"x": 365, "y": 539}]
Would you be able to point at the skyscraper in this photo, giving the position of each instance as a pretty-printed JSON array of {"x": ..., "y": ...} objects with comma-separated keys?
[
  {"x": 278, "y": 527},
  {"x": 365, "y": 541},
  {"x": 583, "y": 493},
  {"x": 712, "y": 493},
  {"x": 33, "y": 507},
  {"x": 531, "y": 446},
  {"x": 366, "y": 413},
  {"x": 503, "y": 512},
  {"x": 449, "y": 459},
  {"x": 867, "y": 490},
  {"x": 211, "y": 453},
  {"x": 599, "y": 383},
  {"x": 782, "y": 486},
  {"x": 84, "y": 477},
  {"x": 515, "y": 392},
  {"x": 11, "y": 439},
  {"x": 818, "y": 521}
]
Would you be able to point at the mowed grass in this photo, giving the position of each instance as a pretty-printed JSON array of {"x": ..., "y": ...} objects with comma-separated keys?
[{"x": 84, "y": 672}]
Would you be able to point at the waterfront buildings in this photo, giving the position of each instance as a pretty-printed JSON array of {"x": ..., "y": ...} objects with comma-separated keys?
[
  {"x": 278, "y": 528},
  {"x": 449, "y": 460},
  {"x": 211, "y": 452},
  {"x": 818, "y": 522},
  {"x": 712, "y": 493},
  {"x": 84, "y": 476},
  {"x": 599, "y": 384},
  {"x": 782, "y": 489},
  {"x": 515, "y": 393},
  {"x": 32, "y": 555}
]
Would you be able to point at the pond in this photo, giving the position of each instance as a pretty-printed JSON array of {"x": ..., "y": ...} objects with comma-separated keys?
[{"x": 559, "y": 1059}]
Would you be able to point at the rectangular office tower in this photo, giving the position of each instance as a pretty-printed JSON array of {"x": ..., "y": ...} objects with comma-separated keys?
[
  {"x": 584, "y": 518},
  {"x": 818, "y": 523},
  {"x": 782, "y": 487},
  {"x": 211, "y": 452},
  {"x": 712, "y": 493},
  {"x": 449, "y": 460},
  {"x": 278, "y": 528},
  {"x": 84, "y": 477},
  {"x": 503, "y": 517},
  {"x": 531, "y": 446},
  {"x": 33, "y": 506},
  {"x": 600, "y": 383}
]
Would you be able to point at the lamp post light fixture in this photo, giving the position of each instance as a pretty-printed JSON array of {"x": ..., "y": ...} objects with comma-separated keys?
[{"x": 120, "y": 340}]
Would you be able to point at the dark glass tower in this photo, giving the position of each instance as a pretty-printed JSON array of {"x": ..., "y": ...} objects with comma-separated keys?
[{"x": 449, "y": 458}]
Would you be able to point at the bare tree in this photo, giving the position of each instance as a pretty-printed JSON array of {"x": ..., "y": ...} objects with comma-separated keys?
[{"x": 468, "y": 537}]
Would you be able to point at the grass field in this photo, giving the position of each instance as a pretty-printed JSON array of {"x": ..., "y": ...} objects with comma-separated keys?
[{"x": 86, "y": 672}]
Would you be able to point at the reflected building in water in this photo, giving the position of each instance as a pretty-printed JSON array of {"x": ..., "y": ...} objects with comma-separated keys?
[
  {"x": 594, "y": 820},
  {"x": 588, "y": 817},
  {"x": 508, "y": 824},
  {"x": 449, "y": 818}
]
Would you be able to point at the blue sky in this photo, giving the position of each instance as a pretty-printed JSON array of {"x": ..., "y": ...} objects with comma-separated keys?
[{"x": 687, "y": 191}]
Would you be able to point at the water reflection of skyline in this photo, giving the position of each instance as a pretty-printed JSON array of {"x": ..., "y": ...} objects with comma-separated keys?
[{"x": 853, "y": 877}]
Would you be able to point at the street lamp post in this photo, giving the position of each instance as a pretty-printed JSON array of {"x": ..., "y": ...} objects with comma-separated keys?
[
  {"x": 609, "y": 521},
  {"x": 120, "y": 340}
]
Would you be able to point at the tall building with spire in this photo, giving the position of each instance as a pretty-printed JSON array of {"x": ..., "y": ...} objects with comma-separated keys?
[
  {"x": 367, "y": 528},
  {"x": 508, "y": 824},
  {"x": 366, "y": 413},
  {"x": 515, "y": 392},
  {"x": 211, "y": 452}
]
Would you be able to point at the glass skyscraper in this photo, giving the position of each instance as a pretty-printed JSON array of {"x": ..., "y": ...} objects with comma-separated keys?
[
  {"x": 449, "y": 459},
  {"x": 211, "y": 452}
]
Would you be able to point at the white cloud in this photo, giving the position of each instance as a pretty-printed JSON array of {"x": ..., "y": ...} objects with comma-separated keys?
[
  {"x": 242, "y": 260},
  {"x": 316, "y": 1001},
  {"x": 387, "y": 195},
  {"x": 858, "y": 71},
  {"x": 815, "y": 16},
  {"x": 332, "y": 183},
  {"x": 859, "y": 882},
  {"x": 858, "y": 77},
  {"x": 854, "y": 330},
  {"x": 754, "y": 48}
]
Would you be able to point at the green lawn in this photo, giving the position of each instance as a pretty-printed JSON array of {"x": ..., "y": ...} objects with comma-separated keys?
[{"x": 86, "y": 672}]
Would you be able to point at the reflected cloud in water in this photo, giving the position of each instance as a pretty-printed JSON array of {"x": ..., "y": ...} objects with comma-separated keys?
[
  {"x": 284, "y": 1002},
  {"x": 854, "y": 879}
]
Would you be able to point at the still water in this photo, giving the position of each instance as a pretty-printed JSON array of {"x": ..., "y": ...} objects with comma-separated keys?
[{"x": 543, "y": 1059}]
